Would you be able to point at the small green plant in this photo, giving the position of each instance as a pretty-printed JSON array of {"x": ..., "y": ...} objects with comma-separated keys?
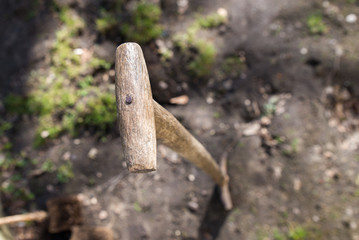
[
  {"x": 297, "y": 233},
  {"x": 202, "y": 63},
  {"x": 233, "y": 66},
  {"x": 65, "y": 172},
  {"x": 106, "y": 22},
  {"x": 277, "y": 235},
  {"x": 137, "y": 207},
  {"x": 143, "y": 26},
  {"x": 4, "y": 126},
  {"x": 199, "y": 52},
  {"x": 211, "y": 21},
  {"x": 271, "y": 106},
  {"x": 316, "y": 24},
  {"x": 48, "y": 166}
]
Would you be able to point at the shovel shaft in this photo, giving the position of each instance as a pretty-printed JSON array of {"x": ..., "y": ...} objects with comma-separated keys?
[{"x": 27, "y": 217}]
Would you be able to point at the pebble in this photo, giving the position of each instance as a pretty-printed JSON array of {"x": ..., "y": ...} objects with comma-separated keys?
[
  {"x": 353, "y": 225},
  {"x": 112, "y": 73},
  {"x": 328, "y": 154},
  {"x": 204, "y": 193},
  {"x": 92, "y": 154},
  {"x": 252, "y": 129},
  {"x": 50, "y": 188},
  {"x": 78, "y": 51},
  {"x": 265, "y": 121},
  {"x": 303, "y": 51},
  {"x": 277, "y": 172},
  {"x": 349, "y": 212},
  {"x": 297, "y": 184},
  {"x": 177, "y": 233},
  {"x": 44, "y": 134},
  {"x": 163, "y": 85},
  {"x": 191, "y": 178},
  {"x": 66, "y": 156},
  {"x": 103, "y": 215},
  {"x": 351, "y": 18},
  {"x": 209, "y": 100},
  {"x": 77, "y": 141},
  {"x": 180, "y": 100},
  {"x": 193, "y": 206},
  {"x": 296, "y": 211},
  {"x": 93, "y": 201},
  {"x": 315, "y": 218}
]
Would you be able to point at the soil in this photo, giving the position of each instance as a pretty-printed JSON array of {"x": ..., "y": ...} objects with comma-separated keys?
[{"x": 296, "y": 166}]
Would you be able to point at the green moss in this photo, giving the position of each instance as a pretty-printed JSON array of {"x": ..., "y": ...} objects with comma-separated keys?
[
  {"x": 201, "y": 65},
  {"x": 199, "y": 53},
  {"x": 100, "y": 112},
  {"x": 143, "y": 26},
  {"x": 211, "y": 21},
  {"x": 65, "y": 172},
  {"x": 297, "y": 233},
  {"x": 316, "y": 24},
  {"x": 98, "y": 63},
  {"x": 233, "y": 66},
  {"x": 106, "y": 21},
  {"x": 4, "y": 126},
  {"x": 277, "y": 235}
]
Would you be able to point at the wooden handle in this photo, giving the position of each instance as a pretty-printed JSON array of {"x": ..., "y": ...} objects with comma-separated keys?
[
  {"x": 135, "y": 109},
  {"x": 142, "y": 120},
  {"x": 35, "y": 216}
]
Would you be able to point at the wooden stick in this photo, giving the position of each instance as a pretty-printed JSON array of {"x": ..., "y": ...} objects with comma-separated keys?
[
  {"x": 27, "y": 217},
  {"x": 136, "y": 120},
  {"x": 135, "y": 109}
]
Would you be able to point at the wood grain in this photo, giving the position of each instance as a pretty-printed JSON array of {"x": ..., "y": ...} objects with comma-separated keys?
[{"x": 135, "y": 109}]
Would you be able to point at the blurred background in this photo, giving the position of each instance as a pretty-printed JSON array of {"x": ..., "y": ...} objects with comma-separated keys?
[{"x": 273, "y": 84}]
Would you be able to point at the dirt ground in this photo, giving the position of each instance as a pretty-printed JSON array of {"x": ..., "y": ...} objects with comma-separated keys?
[{"x": 288, "y": 122}]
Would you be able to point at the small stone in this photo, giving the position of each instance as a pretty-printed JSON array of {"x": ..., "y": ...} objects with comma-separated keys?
[
  {"x": 102, "y": 215},
  {"x": 180, "y": 100},
  {"x": 265, "y": 121},
  {"x": 78, "y": 51},
  {"x": 77, "y": 141},
  {"x": 328, "y": 154},
  {"x": 296, "y": 211},
  {"x": 315, "y": 218},
  {"x": 252, "y": 129},
  {"x": 277, "y": 172},
  {"x": 193, "y": 206},
  {"x": 351, "y": 18},
  {"x": 303, "y": 51},
  {"x": 93, "y": 201},
  {"x": 163, "y": 85},
  {"x": 44, "y": 134},
  {"x": 349, "y": 212},
  {"x": 105, "y": 77},
  {"x": 66, "y": 156},
  {"x": 191, "y": 178},
  {"x": 50, "y": 188},
  {"x": 99, "y": 174},
  {"x": 297, "y": 184},
  {"x": 177, "y": 233},
  {"x": 353, "y": 225},
  {"x": 209, "y": 100},
  {"x": 112, "y": 73},
  {"x": 204, "y": 193},
  {"x": 222, "y": 12},
  {"x": 156, "y": 177},
  {"x": 93, "y": 153}
]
